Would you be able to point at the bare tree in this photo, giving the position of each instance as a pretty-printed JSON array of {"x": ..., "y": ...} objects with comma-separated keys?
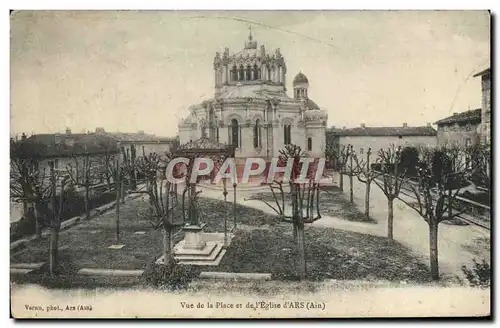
[
  {"x": 160, "y": 204},
  {"x": 29, "y": 182},
  {"x": 365, "y": 175},
  {"x": 480, "y": 160},
  {"x": 351, "y": 170},
  {"x": 393, "y": 178},
  {"x": 55, "y": 213},
  {"x": 339, "y": 154},
  {"x": 85, "y": 173},
  {"x": 304, "y": 193},
  {"x": 435, "y": 191}
]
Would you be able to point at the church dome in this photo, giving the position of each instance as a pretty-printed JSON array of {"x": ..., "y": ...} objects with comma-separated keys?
[
  {"x": 300, "y": 78},
  {"x": 312, "y": 105}
]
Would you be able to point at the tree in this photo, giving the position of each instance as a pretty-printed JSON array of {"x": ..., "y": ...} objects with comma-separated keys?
[
  {"x": 392, "y": 180},
  {"x": 107, "y": 162},
  {"x": 351, "y": 170},
  {"x": 85, "y": 173},
  {"x": 117, "y": 171},
  {"x": 366, "y": 175},
  {"x": 160, "y": 205},
  {"x": 304, "y": 195},
  {"x": 29, "y": 182},
  {"x": 55, "y": 213},
  {"x": 480, "y": 159},
  {"x": 436, "y": 184},
  {"x": 339, "y": 154}
]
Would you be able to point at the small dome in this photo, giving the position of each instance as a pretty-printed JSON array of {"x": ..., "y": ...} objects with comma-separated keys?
[{"x": 300, "y": 78}]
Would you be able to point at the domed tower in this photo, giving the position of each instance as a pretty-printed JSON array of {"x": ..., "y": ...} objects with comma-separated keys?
[{"x": 300, "y": 86}]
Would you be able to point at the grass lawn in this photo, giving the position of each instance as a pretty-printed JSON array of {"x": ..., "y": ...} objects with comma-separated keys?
[
  {"x": 332, "y": 203},
  {"x": 262, "y": 244},
  {"x": 331, "y": 254}
]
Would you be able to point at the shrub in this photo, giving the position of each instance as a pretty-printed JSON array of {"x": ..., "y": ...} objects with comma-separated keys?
[
  {"x": 479, "y": 275},
  {"x": 409, "y": 161},
  {"x": 173, "y": 276}
]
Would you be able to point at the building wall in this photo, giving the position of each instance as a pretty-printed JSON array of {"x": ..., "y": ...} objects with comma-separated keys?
[
  {"x": 458, "y": 135},
  {"x": 377, "y": 143}
]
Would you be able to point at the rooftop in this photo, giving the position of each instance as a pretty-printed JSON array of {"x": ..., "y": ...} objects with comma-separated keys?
[
  {"x": 472, "y": 116},
  {"x": 64, "y": 145}
]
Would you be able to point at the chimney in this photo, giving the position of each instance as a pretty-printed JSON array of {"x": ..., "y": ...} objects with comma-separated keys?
[
  {"x": 363, "y": 125},
  {"x": 405, "y": 125},
  {"x": 68, "y": 131}
]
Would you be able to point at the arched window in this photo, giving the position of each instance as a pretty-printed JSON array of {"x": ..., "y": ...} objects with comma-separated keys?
[
  {"x": 256, "y": 134},
  {"x": 235, "y": 129},
  {"x": 242, "y": 73},
  {"x": 268, "y": 73},
  {"x": 309, "y": 143},
  {"x": 288, "y": 134},
  {"x": 249, "y": 73},
  {"x": 234, "y": 73},
  {"x": 255, "y": 72}
]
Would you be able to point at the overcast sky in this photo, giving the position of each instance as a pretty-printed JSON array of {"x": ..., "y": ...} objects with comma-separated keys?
[{"x": 128, "y": 71}]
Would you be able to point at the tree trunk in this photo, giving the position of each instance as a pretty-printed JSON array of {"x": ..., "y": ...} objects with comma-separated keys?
[
  {"x": 351, "y": 193},
  {"x": 301, "y": 253},
  {"x": 122, "y": 192},
  {"x": 433, "y": 243},
  {"x": 367, "y": 200},
  {"x": 390, "y": 219},
  {"x": 86, "y": 203},
  {"x": 341, "y": 181},
  {"x": 53, "y": 246},
  {"x": 167, "y": 246},
  {"x": 450, "y": 204},
  {"x": 117, "y": 213}
]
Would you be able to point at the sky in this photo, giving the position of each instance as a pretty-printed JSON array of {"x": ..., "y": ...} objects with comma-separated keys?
[{"x": 141, "y": 70}]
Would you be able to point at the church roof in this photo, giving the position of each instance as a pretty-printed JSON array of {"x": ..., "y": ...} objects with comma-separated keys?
[
  {"x": 300, "y": 78},
  {"x": 205, "y": 145},
  {"x": 312, "y": 105}
]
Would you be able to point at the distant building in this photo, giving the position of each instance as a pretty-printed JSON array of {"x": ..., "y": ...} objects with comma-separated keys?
[
  {"x": 376, "y": 138},
  {"x": 64, "y": 148},
  {"x": 142, "y": 141},
  {"x": 460, "y": 129},
  {"x": 485, "y": 129}
]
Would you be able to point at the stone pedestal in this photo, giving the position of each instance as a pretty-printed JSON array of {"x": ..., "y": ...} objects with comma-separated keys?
[{"x": 193, "y": 237}]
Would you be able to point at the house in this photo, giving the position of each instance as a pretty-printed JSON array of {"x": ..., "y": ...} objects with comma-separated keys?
[
  {"x": 485, "y": 129},
  {"x": 66, "y": 148},
  {"x": 376, "y": 138},
  {"x": 460, "y": 129},
  {"x": 144, "y": 143}
]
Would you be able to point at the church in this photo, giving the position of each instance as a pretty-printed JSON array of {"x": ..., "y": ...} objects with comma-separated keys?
[{"x": 251, "y": 109}]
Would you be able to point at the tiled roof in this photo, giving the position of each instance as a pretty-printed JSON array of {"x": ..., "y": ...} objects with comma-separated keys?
[
  {"x": 64, "y": 145},
  {"x": 385, "y": 131},
  {"x": 472, "y": 116}
]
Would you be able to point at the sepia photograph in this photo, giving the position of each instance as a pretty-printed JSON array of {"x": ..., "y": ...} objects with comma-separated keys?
[{"x": 250, "y": 164}]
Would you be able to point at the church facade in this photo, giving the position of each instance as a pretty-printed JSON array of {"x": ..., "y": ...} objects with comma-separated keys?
[{"x": 251, "y": 109}]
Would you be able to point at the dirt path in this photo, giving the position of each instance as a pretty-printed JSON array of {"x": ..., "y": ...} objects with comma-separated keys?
[{"x": 458, "y": 245}]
